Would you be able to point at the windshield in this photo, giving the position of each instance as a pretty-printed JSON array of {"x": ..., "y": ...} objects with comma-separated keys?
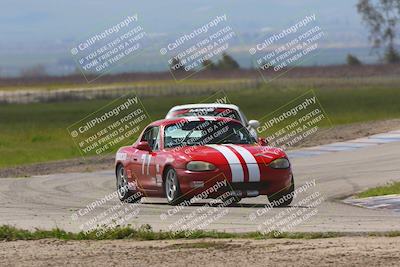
[
  {"x": 213, "y": 112},
  {"x": 206, "y": 132}
]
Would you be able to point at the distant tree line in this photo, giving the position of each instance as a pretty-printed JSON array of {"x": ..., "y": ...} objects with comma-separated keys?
[
  {"x": 352, "y": 60},
  {"x": 38, "y": 70}
]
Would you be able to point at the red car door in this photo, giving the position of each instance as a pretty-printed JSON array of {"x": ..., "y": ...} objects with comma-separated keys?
[{"x": 146, "y": 167}]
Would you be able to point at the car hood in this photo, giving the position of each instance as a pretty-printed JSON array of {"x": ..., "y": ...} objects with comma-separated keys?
[{"x": 228, "y": 153}]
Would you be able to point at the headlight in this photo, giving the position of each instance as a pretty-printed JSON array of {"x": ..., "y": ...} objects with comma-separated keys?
[
  {"x": 281, "y": 163},
  {"x": 199, "y": 166}
]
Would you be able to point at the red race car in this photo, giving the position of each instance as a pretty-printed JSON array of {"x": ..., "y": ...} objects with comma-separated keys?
[{"x": 204, "y": 157}]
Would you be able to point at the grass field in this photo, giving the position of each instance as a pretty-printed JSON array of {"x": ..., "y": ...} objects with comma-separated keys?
[{"x": 37, "y": 132}]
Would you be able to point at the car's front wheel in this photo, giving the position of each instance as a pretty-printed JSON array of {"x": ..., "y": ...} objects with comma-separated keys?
[
  {"x": 124, "y": 193},
  {"x": 284, "y": 198},
  {"x": 171, "y": 187}
]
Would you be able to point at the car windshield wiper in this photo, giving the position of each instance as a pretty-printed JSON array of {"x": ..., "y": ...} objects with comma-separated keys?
[{"x": 187, "y": 136}]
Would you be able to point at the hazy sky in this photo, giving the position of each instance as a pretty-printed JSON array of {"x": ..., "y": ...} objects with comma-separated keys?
[
  {"x": 60, "y": 19},
  {"x": 43, "y": 31}
]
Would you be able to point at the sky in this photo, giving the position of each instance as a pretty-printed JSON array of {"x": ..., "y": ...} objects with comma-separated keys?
[{"x": 44, "y": 31}]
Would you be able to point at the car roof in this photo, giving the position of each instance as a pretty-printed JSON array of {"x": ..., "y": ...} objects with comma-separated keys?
[
  {"x": 165, "y": 122},
  {"x": 205, "y": 105}
]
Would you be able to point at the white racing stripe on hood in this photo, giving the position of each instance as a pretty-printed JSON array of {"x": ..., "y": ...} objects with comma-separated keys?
[
  {"x": 251, "y": 162},
  {"x": 234, "y": 163}
]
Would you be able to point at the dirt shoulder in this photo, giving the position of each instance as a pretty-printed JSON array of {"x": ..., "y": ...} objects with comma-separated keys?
[
  {"x": 343, "y": 251},
  {"x": 336, "y": 134}
]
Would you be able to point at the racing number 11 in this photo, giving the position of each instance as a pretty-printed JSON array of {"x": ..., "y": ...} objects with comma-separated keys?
[{"x": 146, "y": 157}]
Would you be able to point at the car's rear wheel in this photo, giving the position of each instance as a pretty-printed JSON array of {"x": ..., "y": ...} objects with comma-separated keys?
[
  {"x": 171, "y": 187},
  {"x": 283, "y": 198},
  {"x": 124, "y": 193}
]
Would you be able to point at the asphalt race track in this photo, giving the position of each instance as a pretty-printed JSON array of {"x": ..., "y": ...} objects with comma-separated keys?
[{"x": 50, "y": 201}]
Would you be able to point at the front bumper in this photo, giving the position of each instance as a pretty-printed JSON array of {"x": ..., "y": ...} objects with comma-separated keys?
[{"x": 215, "y": 183}]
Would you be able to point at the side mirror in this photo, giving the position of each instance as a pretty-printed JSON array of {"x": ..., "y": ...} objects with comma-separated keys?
[
  {"x": 262, "y": 141},
  {"x": 143, "y": 145},
  {"x": 254, "y": 123}
]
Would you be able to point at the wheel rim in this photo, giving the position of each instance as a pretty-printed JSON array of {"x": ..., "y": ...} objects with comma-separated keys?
[
  {"x": 121, "y": 182},
  {"x": 170, "y": 186}
]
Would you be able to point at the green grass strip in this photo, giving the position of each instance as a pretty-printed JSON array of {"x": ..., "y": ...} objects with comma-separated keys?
[
  {"x": 11, "y": 233},
  {"x": 389, "y": 189}
]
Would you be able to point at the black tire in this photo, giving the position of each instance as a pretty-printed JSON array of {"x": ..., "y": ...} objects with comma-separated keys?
[
  {"x": 125, "y": 194},
  {"x": 279, "y": 196},
  {"x": 171, "y": 187}
]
